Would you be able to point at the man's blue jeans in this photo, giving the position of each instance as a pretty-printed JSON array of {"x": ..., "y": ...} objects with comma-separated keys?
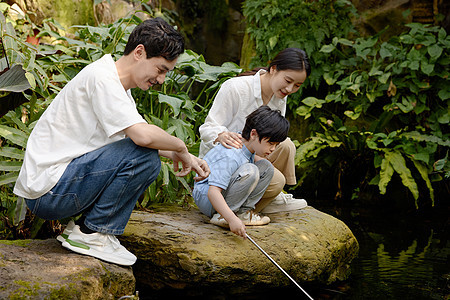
[{"x": 103, "y": 185}]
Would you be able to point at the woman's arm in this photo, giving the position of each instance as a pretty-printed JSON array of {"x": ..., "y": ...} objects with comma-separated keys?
[{"x": 223, "y": 111}]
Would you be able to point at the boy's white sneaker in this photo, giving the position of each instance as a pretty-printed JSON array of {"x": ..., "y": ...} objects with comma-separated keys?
[
  {"x": 218, "y": 220},
  {"x": 251, "y": 218},
  {"x": 68, "y": 230},
  {"x": 284, "y": 202},
  {"x": 100, "y": 245}
]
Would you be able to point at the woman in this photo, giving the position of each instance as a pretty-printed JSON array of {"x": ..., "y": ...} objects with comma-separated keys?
[{"x": 241, "y": 95}]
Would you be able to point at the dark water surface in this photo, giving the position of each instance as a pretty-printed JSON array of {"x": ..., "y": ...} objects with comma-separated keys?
[{"x": 403, "y": 255}]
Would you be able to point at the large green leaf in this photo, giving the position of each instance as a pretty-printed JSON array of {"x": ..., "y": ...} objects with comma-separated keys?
[
  {"x": 398, "y": 163},
  {"x": 174, "y": 102},
  {"x": 14, "y": 80},
  {"x": 12, "y": 152},
  {"x": 423, "y": 170},
  {"x": 8, "y": 178},
  {"x": 20, "y": 211},
  {"x": 14, "y": 135},
  {"x": 10, "y": 166},
  {"x": 417, "y": 136},
  {"x": 385, "y": 174}
]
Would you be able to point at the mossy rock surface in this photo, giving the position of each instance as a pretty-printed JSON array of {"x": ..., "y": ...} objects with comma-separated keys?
[
  {"x": 179, "y": 248},
  {"x": 43, "y": 269}
]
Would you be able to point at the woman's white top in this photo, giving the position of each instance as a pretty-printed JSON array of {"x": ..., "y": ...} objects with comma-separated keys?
[{"x": 236, "y": 99}]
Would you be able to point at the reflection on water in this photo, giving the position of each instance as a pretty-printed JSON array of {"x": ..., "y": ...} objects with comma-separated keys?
[{"x": 402, "y": 256}]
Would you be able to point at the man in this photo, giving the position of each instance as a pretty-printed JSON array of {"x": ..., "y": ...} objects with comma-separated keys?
[{"x": 91, "y": 152}]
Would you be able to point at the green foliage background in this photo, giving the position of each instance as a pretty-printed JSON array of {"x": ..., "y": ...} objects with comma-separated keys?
[
  {"x": 43, "y": 70},
  {"x": 372, "y": 108},
  {"x": 376, "y": 111}
]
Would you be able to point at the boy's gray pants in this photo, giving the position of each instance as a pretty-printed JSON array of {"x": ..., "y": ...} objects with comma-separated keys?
[{"x": 247, "y": 185}]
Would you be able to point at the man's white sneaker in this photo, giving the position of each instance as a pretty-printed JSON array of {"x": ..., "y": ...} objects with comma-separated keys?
[
  {"x": 218, "y": 220},
  {"x": 68, "y": 230},
  {"x": 251, "y": 218},
  {"x": 100, "y": 245},
  {"x": 284, "y": 202}
]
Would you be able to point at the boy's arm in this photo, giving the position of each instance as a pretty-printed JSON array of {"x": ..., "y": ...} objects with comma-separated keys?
[
  {"x": 151, "y": 136},
  {"x": 221, "y": 206}
]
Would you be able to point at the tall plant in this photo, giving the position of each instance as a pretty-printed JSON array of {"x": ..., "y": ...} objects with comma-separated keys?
[
  {"x": 386, "y": 111},
  {"x": 275, "y": 25},
  {"x": 179, "y": 106}
]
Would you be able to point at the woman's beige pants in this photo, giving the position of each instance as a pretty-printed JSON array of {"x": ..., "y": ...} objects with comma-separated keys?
[{"x": 284, "y": 172}]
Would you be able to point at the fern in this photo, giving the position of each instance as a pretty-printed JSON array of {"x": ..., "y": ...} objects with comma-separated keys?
[
  {"x": 394, "y": 161},
  {"x": 423, "y": 170},
  {"x": 418, "y": 137}
]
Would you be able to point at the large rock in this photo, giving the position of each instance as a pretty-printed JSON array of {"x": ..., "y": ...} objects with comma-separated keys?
[
  {"x": 179, "y": 248},
  {"x": 42, "y": 269}
]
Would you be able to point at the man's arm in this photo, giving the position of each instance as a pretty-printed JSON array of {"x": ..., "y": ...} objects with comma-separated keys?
[
  {"x": 221, "y": 206},
  {"x": 151, "y": 136}
]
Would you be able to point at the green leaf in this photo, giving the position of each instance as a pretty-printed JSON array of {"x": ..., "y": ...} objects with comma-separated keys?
[
  {"x": 417, "y": 136},
  {"x": 444, "y": 94},
  {"x": 375, "y": 180},
  {"x": 14, "y": 80},
  {"x": 405, "y": 106},
  {"x": 14, "y": 135},
  {"x": 426, "y": 67},
  {"x": 423, "y": 170},
  {"x": 313, "y": 102},
  {"x": 327, "y": 48},
  {"x": 12, "y": 152},
  {"x": 399, "y": 165},
  {"x": 174, "y": 102},
  {"x": 385, "y": 53},
  {"x": 384, "y": 78},
  {"x": 354, "y": 114},
  {"x": 345, "y": 42},
  {"x": 375, "y": 71},
  {"x": 386, "y": 173},
  {"x": 8, "y": 178},
  {"x": 435, "y": 51},
  {"x": 31, "y": 80},
  {"x": 10, "y": 166},
  {"x": 20, "y": 211},
  {"x": 414, "y": 65},
  {"x": 273, "y": 41},
  {"x": 330, "y": 80},
  {"x": 304, "y": 111}
]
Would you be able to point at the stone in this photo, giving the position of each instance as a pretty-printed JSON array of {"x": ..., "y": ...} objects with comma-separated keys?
[
  {"x": 43, "y": 269},
  {"x": 178, "y": 248}
]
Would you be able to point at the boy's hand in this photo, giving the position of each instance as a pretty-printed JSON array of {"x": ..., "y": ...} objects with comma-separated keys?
[
  {"x": 230, "y": 139},
  {"x": 237, "y": 227}
]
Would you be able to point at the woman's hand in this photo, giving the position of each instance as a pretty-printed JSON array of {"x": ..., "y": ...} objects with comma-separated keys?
[{"x": 230, "y": 139}]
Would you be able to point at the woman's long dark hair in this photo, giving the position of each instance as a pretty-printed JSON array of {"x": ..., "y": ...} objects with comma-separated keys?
[{"x": 287, "y": 59}]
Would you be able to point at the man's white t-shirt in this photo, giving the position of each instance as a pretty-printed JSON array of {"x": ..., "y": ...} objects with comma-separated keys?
[
  {"x": 91, "y": 111},
  {"x": 236, "y": 99}
]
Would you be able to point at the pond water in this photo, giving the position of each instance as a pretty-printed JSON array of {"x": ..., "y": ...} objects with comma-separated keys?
[{"x": 402, "y": 256}]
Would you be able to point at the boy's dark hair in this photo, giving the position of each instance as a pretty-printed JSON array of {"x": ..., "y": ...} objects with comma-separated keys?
[
  {"x": 268, "y": 124},
  {"x": 158, "y": 38}
]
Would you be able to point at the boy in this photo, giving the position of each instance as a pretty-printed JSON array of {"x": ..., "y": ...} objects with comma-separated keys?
[
  {"x": 91, "y": 152},
  {"x": 237, "y": 180}
]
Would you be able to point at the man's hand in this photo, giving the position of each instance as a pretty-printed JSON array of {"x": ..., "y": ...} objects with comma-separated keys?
[{"x": 190, "y": 163}]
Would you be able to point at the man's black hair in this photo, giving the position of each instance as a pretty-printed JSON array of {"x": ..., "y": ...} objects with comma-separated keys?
[
  {"x": 159, "y": 39},
  {"x": 268, "y": 124}
]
